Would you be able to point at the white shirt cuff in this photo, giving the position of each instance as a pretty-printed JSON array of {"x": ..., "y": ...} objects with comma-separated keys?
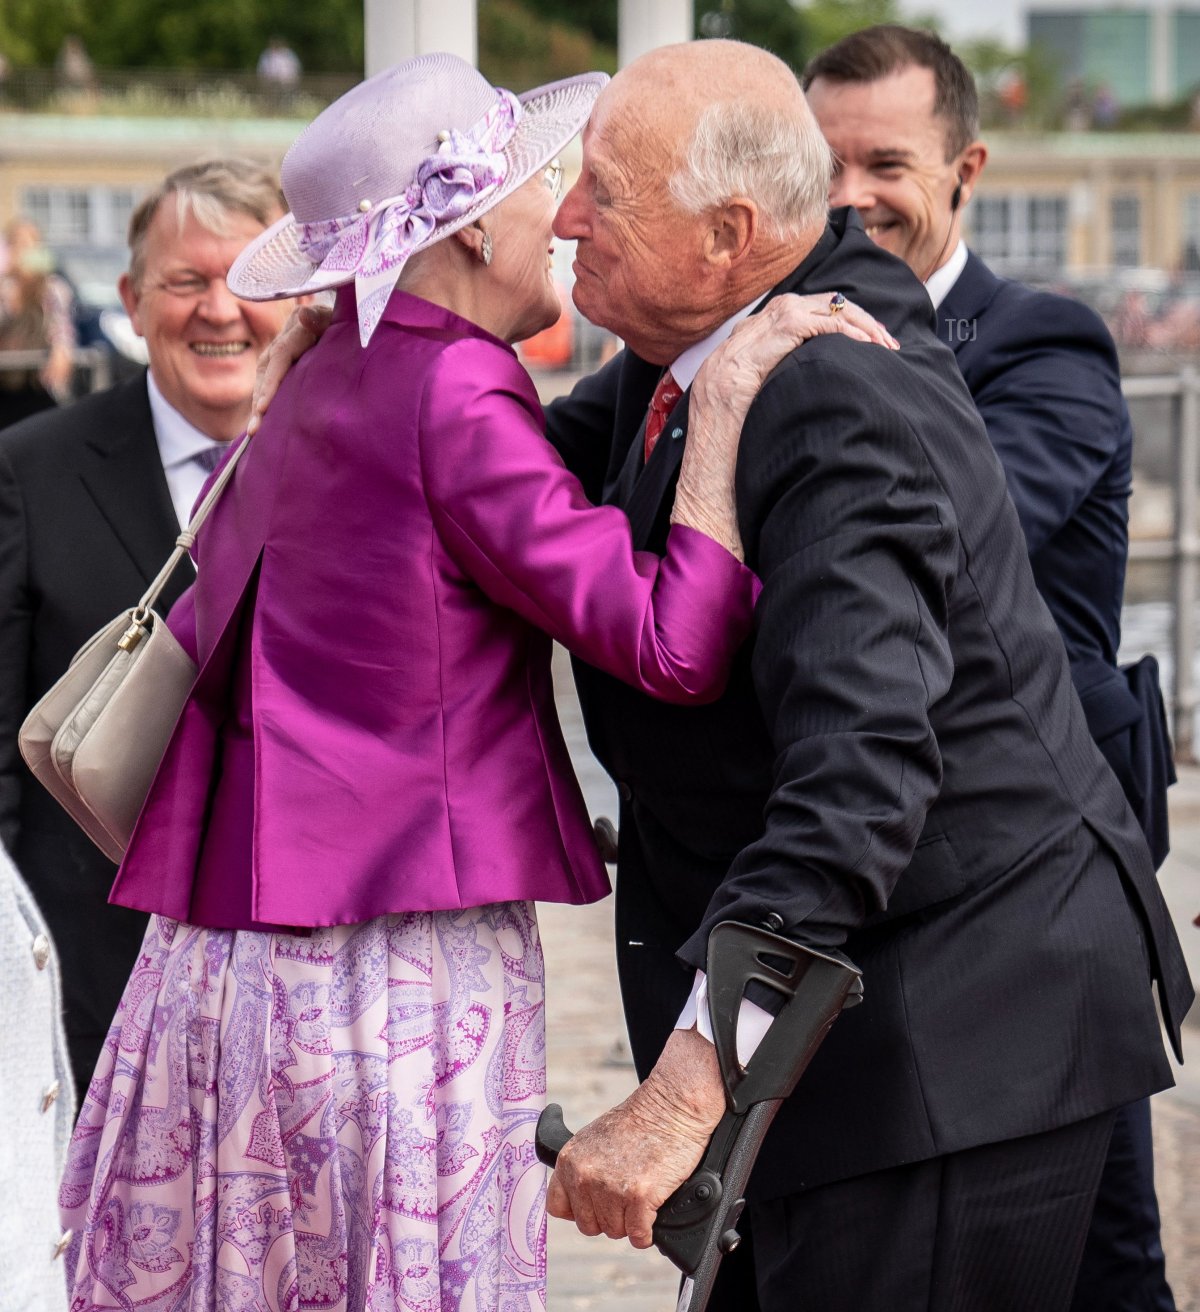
[{"x": 753, "y": 1020}]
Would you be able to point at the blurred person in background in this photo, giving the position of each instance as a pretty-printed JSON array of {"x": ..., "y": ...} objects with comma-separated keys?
[
  {"x": 279, "y": 65},
  {"x": 35, "y": 315},
  {"x": 900, "y": 110},
  {"x": 92, "y": 497},
  {"x": 37, "y": 1105},
  {"x": 73, "y": 65}
]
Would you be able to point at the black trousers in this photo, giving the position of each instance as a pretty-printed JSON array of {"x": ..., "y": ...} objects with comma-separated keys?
[
  {"x": 999, "y": 1228},
  {"x": 1123, "y": 1268}
]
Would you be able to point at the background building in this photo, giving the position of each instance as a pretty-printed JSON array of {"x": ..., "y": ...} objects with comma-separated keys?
[
  {"x": 1144, "y": 53},
  {"x": 1079, "y": 202}
]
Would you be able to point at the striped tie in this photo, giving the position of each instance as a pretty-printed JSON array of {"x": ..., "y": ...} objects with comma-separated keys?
[{"x": 210, "y": 457}]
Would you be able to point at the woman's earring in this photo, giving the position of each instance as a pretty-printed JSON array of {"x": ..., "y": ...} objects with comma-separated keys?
[{"x": 485, "y": 250}]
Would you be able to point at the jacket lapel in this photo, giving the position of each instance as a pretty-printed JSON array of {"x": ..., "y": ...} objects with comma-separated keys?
[
  {"x": 965, "y": 301},
  {"x": 125, "y": 479}
]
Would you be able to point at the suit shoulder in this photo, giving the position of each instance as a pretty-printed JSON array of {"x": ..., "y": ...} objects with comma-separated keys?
[
  {"x": 1029, "y": 311},
  {"x": 58, "y": 436},
  {"x": 834, "y": 379}
]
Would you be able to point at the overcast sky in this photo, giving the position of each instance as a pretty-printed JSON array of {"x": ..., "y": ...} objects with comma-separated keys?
[{"x": 973, "y": 18}]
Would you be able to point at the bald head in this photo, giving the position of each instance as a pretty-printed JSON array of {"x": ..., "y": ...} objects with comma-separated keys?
[
  {"x": 705, "y": 180},
  {"x": 696, "y": 73},
  {"x": 730, "y": 120}
]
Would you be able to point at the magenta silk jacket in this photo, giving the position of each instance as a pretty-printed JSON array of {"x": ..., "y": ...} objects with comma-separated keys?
[{"x": 373, "y": 721}]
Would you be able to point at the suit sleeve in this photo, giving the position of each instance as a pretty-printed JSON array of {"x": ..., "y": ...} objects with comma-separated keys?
[
  {"x": 16, "y": 626},
  {"x": 1050, "y": 395},
  {"x": 517, "y": 523},
  {"x": 580, "y": 427},
  {"x": 856, "y": 544}
]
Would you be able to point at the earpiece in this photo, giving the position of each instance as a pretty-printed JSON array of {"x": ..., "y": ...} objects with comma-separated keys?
[{"x": 956, "y": 198}]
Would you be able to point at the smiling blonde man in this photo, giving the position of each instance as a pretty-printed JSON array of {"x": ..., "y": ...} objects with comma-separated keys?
[{"x": 91, "y": 499}]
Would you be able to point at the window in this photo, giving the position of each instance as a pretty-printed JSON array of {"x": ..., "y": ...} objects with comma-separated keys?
[
  {"x": 1048, "y": 231},
  {"x": 991, "y": 227},
  {"x": 1017, "y": 232},
  {"x": 80, "y": 216},
  {"x": 1125, "y": 220}
]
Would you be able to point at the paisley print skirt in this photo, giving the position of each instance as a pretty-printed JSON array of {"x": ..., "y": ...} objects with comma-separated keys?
[{"x": 342, "y": 1121}]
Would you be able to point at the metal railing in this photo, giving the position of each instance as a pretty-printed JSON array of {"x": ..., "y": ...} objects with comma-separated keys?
[
  {"x": 93, "y": 360},
  {"x": 1182, "y": 549}
]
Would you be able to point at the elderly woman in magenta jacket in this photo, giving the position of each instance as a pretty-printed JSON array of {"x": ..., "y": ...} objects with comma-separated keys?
[{"x": 321, "y": 1086}]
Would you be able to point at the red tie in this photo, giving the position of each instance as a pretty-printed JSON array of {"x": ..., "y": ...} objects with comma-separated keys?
[{"x": 666, "y": 394}]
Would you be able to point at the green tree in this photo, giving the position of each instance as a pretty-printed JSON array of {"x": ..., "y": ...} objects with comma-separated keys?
[
  {"x": 828, "y": 21},
  {"x": 596, "y": 17},
  {"x": 993, "y": 63},
  {"x": 327, "y": 35},
  {"x": 776, "y": 25},
  {"x": 31, "y": 31},
  {"x": 794, "y": 32},
  {"x": 520, "y": 49}
]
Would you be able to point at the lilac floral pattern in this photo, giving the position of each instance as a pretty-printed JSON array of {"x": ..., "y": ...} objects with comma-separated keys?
[{"x": 342, "y": 1121}]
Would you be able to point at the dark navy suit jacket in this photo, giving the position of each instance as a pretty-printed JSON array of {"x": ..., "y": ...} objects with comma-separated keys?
[{"x": 1043, "y": 373}]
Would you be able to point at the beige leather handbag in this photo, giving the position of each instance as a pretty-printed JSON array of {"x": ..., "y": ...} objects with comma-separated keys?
[{"x": 96, "y": 739}]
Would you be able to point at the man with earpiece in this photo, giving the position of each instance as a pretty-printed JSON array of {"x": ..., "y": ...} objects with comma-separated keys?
[{"x": 901, "y": 113}]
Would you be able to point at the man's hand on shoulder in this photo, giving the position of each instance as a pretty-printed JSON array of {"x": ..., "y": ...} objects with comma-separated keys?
[
  {"x": 302, "y": 331},
  {"x": 615, "y": 1174}
]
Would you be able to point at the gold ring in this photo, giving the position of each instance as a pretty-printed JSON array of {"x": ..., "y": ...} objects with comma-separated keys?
[{"x": 837, "y": 303}]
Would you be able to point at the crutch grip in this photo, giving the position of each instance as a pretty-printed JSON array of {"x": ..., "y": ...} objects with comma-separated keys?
[{"x": 551, "y": 1135}]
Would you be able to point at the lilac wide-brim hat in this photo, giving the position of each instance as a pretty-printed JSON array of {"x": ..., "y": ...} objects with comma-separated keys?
[{"x": 401, "y": 161}]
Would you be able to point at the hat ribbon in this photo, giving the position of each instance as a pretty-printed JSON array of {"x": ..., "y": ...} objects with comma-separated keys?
[{"x": 375, "y": 244}]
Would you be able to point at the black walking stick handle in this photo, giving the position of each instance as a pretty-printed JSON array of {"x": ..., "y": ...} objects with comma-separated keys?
[{"x": 551, "y": 1135}]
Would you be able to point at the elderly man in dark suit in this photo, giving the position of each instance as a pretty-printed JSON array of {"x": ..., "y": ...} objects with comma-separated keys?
[
  {"x": 900, "y": 111},
  {"x": 91, "y": 499},
  {"x": 899, "y": 769}
]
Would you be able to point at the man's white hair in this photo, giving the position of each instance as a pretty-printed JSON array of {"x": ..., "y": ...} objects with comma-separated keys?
[{"x": 779, "y": 160}]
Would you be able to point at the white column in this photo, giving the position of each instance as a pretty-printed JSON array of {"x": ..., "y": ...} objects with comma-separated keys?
[
  {"x": 1162, "y": 56},
  {"x": 644, "y": 24},
  {"x": 400, "y": 29}
]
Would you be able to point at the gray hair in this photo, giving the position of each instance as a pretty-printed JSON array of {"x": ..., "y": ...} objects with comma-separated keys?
[
  {"x": 779, "y": 160},
  {"x": 209, "y": 192}
]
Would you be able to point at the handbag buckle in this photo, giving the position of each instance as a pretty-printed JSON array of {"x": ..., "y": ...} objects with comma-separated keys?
[{"x": 134, "y": 633}]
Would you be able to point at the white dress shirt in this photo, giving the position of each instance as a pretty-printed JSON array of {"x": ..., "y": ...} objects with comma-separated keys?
[
  {"x": 753, "y": 1020},
  {"x": 940, "y": 281},
  {"x": 179, "y": 442}
]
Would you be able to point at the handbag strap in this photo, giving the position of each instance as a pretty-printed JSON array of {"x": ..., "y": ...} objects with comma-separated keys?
[{"x": 186, "y": 539}]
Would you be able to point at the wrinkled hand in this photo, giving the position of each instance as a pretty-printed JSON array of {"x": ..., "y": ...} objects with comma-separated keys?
[
  {"x": 300, "y": 332},
  {"x": 725, "y": 388},
  {"x": 731, "y": 377},
  {"x": 615, "y": 1174}
]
